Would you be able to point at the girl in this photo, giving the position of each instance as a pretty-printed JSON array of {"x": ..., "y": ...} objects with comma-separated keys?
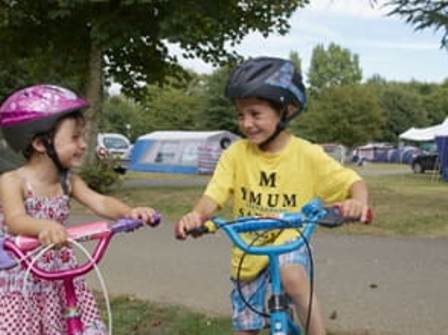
[
  {"x": 46, "y": 124},
  {"x": 268, "y": 172}
]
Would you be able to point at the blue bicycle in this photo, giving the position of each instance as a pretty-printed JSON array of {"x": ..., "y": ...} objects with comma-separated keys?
[{"x": 305, "y": 221}]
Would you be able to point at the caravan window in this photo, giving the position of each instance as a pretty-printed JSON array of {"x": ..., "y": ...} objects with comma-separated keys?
[
  {"x": 167, "y": 152},
  {"x": 189, "y": 153}
]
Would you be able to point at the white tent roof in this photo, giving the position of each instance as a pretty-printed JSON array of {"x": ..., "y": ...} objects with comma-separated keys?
[
  {"x": 181, "y": 135},
  {"x": 425, "y": 134}
]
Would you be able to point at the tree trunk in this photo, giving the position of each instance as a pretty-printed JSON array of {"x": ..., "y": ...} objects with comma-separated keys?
[{"x": 94, "y": 95}]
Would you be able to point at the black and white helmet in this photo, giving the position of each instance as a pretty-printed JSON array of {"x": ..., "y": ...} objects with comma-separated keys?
[{"x": 270, "y": 78}]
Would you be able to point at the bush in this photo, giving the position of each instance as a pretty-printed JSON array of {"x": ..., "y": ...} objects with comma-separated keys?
[{"x": 101, "y": 176}]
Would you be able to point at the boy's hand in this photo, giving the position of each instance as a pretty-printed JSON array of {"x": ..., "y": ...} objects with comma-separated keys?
[
  {"x": 353, "y": 208},
  {"x": 146, "y": 214},
  {"x": 187, "y": 223},
  {"x": 53, "y": 233}
]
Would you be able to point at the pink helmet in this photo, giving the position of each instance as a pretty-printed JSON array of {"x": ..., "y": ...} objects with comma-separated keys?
[{"x": 35, "y": 110}]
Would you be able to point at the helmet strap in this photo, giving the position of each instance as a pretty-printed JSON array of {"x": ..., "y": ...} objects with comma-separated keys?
[
  {"x": 281, "y": 125},
  {"x": 62, "y": 171}
]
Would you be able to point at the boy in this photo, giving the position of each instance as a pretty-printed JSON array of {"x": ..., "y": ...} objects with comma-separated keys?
[{"x": 272, "y": 171}]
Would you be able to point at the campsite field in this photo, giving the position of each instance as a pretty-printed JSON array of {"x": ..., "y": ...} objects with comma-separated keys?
[{"x": 405, "y": 204}]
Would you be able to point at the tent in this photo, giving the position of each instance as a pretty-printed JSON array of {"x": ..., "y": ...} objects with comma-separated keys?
[
  {"x": 371, "y": 151},
  {"x": 424, "y": 134},
  {"x": 190, "y": 152},
  {"x": 441, "y": 138}
]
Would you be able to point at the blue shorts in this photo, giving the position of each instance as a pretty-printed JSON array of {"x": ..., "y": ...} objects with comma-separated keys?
[{"x": 255, "y": 292}]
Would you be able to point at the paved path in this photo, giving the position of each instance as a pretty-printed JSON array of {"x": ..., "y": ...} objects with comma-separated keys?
[{"x": 373, "y": 285}]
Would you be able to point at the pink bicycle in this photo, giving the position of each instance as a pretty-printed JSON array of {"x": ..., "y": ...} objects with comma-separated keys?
[{"x": 22, "y": 246}]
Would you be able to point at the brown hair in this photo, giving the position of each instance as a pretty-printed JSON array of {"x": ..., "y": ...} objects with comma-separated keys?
[{"x": 77, "y": 115}]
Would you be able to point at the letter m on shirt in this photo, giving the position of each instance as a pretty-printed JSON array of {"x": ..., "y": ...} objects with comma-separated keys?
[{"x": 267, "y": 180}]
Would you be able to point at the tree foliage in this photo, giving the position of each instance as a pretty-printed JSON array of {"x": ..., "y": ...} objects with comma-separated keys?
[
  {"x": 126, "y": 41},
  {"x": 218, "y": 112},
  {"x": 133, "y": 35},
  {"x": 436, "y": 104},
  {"x": 333, "y": 66},
  {"x": 349, "y": 114},
  {"x": 423, "y": 14},
  {"x": 123, "y": 115},
  {"x": 403, "y": 108},
  {"x": 173, "y": 106}
]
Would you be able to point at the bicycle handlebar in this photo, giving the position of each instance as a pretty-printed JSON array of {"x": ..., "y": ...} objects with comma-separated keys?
[
  {"x": 100, "y": 230},
  {"x": 312, "y": 214}
]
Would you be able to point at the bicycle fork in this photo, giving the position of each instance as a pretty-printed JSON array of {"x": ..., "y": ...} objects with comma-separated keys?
[
  {"x": 278, "y": 304},
  {"x": 72, "y": 314}
]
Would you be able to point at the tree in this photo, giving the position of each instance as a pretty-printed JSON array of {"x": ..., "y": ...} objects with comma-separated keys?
[
  {"x": 122, "y": 115},
  {"x": 174, "y": 105},
  {"x": 127, "y": 40},
  {"x": 437, "y": 104},
  {"x": 297, "y": 61},
  {"x": 218, "y": 112},
  {"x": 403, "y": 108},
  {"x": 423, "y": 14},
  {"x": 332, "y": 67},
  {"x": 349, "y": 114}
]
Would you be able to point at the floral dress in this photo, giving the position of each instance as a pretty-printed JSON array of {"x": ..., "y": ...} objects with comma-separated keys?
[{"x": 39, "y": 308}]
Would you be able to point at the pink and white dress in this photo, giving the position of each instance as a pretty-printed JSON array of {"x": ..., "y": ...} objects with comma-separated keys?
[{"x": 39, "y": 310}]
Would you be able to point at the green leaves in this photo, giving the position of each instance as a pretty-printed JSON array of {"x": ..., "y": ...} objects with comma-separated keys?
[
  {"x": 350, "y": 115},
  {"x": 423, "y": 14},
  {"x": 332, "y": 67}
]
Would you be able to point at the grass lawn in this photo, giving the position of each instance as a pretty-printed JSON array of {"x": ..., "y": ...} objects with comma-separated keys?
[
  {"x": 405, "y": 205},
  {"x": 136, "y": 317}
]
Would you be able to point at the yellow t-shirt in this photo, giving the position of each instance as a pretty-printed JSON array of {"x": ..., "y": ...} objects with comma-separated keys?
[{"x": 267, "y": 183}]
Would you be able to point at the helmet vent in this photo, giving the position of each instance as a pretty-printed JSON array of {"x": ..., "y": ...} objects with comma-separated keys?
[{"x": 257, "y": 74}]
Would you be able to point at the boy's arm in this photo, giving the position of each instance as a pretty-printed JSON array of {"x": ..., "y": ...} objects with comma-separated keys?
[
  {"x": 358, "y": 191},
  {"x": 205, "y": 207},
  {"x": 201, "y": 212},
  {"x": 357, "y": 203}
]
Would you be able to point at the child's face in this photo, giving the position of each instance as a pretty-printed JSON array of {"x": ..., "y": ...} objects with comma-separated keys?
[
  {"x": 69, "y": 142},
  {"x": 257, "y": 119}
]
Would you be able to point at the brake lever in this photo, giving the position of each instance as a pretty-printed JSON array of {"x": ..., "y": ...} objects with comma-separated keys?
[{"x": 334, "y": 218}]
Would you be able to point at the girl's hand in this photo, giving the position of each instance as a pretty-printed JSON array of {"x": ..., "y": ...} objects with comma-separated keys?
[
  {"x": 53, "y": 233},
  {"x": 353, "y": 208},
  {"x": 187, "y": 223},
  {"x": 146, "y": 214}
]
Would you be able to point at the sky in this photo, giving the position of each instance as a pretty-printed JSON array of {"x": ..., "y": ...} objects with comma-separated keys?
[{"x": 385, "y": 45}]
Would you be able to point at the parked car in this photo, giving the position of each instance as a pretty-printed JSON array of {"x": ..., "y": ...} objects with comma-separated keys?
[
  {"x": 425, "y": 161},
  {"x": 114, "y": 146}
]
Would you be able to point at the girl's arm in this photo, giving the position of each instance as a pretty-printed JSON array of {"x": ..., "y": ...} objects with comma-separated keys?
[
  {"x": 16, "y": 218},
  {"x": 100, "y": 204},
  {"x": 107, "y": 206}
]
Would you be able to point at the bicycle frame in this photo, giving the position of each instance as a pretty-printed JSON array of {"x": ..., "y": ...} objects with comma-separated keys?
[
  {"x": 281, "y": 322},
  {"x": 101, "y": 231}
]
